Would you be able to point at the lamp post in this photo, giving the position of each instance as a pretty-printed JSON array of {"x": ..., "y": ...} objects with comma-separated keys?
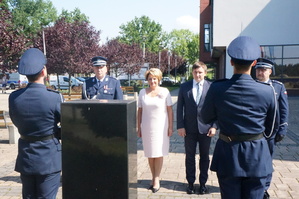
[
  {"x": 159, "y": 58},
  {"x": 175, "y": 65},
  {"x": 169, "y": 54},
  {"x": 143, "y": 46}
]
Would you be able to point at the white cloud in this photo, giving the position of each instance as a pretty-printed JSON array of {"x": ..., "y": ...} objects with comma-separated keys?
[{"x": 188, "y": 22}]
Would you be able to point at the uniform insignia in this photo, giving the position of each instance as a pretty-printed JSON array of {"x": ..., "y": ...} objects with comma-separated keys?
[
  {"x": 278, "y": 82},
  {"x": 285, "y": 92}
]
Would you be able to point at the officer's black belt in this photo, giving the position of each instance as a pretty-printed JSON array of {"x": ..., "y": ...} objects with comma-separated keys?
[
  {"x": 240, "y": 138},
  {"x": 36, "y": 138}
]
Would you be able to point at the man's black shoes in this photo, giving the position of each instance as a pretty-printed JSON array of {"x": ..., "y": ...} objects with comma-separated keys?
[
  {"x": 190, "y": 189},
  {"x": 266, "y": 195},
  {"x": 203, "y": 189}
]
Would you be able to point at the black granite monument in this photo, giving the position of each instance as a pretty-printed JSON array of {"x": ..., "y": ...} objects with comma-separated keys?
[{"x": 99, "y": 152}]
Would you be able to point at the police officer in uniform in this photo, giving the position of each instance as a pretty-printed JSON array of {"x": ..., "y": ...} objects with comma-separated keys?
[
  {"x": 263, "y": 71},
  {"x": 245, "y": 110},
  {"x": 101, "y": 86},
  {"x": 35, "y": 111}
]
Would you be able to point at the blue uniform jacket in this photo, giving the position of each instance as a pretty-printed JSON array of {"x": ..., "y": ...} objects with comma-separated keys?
[
  {"x": 282, "y": 114},
  {"x": 110, "y": 89},
  {"x": 188, "y": 112},
  {"x": 35, "y": 111},
  {"x": 241, "y": 106}
]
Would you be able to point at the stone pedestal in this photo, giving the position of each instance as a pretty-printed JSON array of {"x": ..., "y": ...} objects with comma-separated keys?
[{"x": 99, "y": 152}]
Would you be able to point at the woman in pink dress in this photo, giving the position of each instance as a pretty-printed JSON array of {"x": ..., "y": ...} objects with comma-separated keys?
[{"x": 155, "y": 123}]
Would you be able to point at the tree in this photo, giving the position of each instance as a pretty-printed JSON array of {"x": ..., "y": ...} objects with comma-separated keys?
[
  {"x": 12, "y": 41},
  {"x": 143, "y": 31},
  {"x": 168, "y": 60},
  {"x": 185, "y": 44},
  {"x": 32, "y": 16},
  {"x": 73, "y": 16},
  {"x": 70, "y": 46},
  {"x": 122, "y": 58}
]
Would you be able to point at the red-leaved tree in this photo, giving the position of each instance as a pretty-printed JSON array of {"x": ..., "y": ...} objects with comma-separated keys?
[
  {"x": 122, "y": 58},
  {"x": 70, "y": 46},
  {"x": 12, "y": 42}
]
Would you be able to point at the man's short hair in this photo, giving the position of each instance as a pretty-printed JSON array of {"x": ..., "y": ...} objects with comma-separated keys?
[{"x": 200, "y": 64}]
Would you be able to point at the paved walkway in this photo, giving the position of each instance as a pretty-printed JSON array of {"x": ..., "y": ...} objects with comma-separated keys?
[{"x": 173, "y": 184}]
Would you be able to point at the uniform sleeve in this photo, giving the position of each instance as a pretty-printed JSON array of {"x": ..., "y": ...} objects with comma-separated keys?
[
  {"x": 208, "y": 111},
  {"x": 180, "y": 109},
  {"x": 58, "y": 107},
  {"x": 118, "y": 91},
  {"x": 84, "y": 91},
  {"x": 271, "y": 114},
  {"x": 283, "y": 111}
]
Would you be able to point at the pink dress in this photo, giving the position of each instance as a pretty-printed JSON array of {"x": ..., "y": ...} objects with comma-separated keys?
[{"x": 154, "y": 123}]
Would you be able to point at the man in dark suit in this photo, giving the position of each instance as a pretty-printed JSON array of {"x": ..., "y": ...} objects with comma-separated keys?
[
  {"x": 189, "y": 125},
  {"x": 102, "y": 86},
  {"x": 245, "y": 111},
  {"x": 35, "y": 111}
]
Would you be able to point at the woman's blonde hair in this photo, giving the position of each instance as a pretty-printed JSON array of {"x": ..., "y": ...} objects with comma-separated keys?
[{"x": 154, "y": 72}]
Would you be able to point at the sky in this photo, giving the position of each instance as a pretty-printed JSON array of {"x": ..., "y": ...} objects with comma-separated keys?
[{"x": 107, "y": 15}]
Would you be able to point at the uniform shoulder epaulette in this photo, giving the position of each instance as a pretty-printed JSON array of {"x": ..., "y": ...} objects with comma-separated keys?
[
  {"x": 262, "y": 82},
  {"x": 48, "y": 89},
  {"x": 275, "y": 81},
  {"x": 112, "y": 78},
  {"x": 18, "y": 90},
  {"x": 220, "y": 80}
]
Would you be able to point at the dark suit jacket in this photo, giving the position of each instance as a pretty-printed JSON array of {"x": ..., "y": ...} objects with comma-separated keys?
[{"x": 188, "y": 112}]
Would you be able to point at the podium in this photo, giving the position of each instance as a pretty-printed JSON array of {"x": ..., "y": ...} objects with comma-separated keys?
[{"x": 99, "y": 149}]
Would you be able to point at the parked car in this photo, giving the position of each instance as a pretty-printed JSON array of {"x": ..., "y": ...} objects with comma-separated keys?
[
  {"x": 167, "y": 79},
  {"x": 64, "y": 82},
  {"x": 16, "y": 80}
]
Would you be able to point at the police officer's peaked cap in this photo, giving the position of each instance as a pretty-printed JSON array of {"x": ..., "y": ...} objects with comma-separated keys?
[
  {"x": 32, "y": 62},
  {"x": 244, "y": 48},
  {"x": 264, "y": 63},
  {"x": 99, "y": 61}
]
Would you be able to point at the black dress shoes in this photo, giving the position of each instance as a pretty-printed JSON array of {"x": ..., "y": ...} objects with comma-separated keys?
[
  {"x": 266, "y": 195},
  {"x": 203, "y": 189},
  {"x": 150, "y": 187},
  {"x": 190, "y": 189},
  {"x": 154, "y": 190}
]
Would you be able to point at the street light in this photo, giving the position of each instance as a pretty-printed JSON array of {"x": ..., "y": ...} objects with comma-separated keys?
[
  {"x": 169, "y": 54},
  {"x": 175, "y": 65},
  {"x": 143, "y": 39}
]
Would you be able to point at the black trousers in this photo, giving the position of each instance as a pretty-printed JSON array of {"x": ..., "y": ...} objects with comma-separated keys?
[{"x": 204, "y": 142}]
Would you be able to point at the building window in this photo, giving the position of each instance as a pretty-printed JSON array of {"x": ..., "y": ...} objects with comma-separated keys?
[
  {"x": 286, "y": 63},
  {"x": 207, "y": 37}
]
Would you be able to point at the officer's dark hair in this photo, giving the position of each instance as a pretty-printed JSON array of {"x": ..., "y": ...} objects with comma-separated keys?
[
  {"x": 32, "y": 78},
  {"x": 241, "y": 64},
  {"x": 200, "y": 64}
]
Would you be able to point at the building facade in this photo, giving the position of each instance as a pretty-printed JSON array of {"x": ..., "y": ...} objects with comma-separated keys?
[{"x": 274, "y": 24}]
